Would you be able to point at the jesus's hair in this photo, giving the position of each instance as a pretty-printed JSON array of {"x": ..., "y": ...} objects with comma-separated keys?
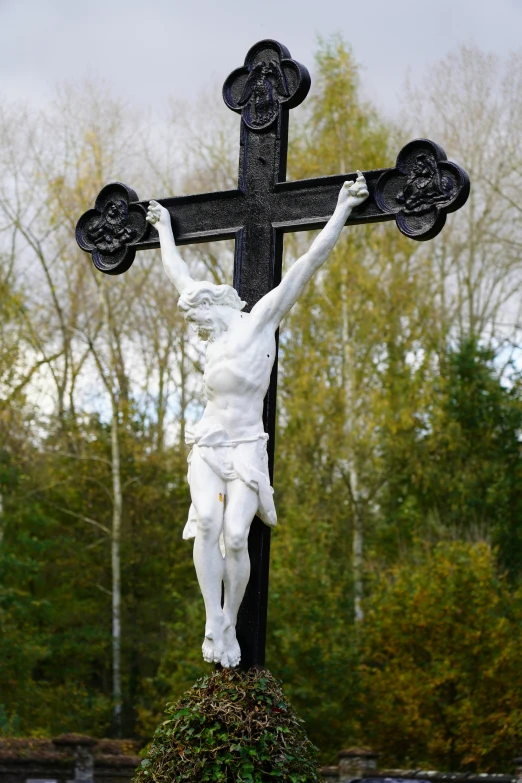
[{"x": 214, "y": 294}]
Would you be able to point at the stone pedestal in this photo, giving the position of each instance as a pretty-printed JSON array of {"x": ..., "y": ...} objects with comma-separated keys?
[
  {"x": 80, "y": 747},
  {"x": 355, "y": 762}
]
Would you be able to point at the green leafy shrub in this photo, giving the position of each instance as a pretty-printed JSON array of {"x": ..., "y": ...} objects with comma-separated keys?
[{"x": 232, "y": 727}]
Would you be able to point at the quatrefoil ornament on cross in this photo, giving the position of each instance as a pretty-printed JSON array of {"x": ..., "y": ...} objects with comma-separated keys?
[
  {"x": 422, "y": 188},
  {"x": 268, "y": 81},
  {"x": 111, "y": 230}
]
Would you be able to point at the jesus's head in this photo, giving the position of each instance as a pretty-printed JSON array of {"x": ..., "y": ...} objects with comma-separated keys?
[{"x": 205, "y": 305}]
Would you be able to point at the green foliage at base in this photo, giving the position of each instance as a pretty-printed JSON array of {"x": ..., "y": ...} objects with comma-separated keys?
[{"x": 231, "y": 726}]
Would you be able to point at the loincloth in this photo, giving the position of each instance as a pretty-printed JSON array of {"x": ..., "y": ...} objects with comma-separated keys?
[{"x": 230, "y": 460}]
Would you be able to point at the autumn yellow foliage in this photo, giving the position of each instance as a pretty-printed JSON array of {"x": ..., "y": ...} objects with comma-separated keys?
[{"x": 441, "y": 654}]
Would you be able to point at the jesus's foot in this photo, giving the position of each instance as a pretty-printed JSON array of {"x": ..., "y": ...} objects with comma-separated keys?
[
  {"x": 232, "y": 652},
  {"x": 207, "y": 649},
  {"x": 213, "y": 644}
]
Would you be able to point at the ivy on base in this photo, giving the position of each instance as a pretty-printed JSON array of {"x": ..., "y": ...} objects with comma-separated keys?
[{"x": 229, "y": 727}]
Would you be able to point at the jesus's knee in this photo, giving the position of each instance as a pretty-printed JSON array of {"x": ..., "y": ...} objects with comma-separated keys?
[
  {"x": 209, "y": 527},
  {"x": 236, "y": 541}
]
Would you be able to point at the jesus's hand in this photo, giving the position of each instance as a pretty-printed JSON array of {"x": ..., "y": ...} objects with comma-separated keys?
[
  {"x": 353, "y": 193},
  {"x": 156, "y": 214}
]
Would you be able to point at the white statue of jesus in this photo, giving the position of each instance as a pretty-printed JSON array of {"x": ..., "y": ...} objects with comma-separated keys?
[{"x": 228, "y": 465}]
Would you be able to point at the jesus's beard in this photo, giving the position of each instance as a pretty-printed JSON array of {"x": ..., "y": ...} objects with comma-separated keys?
[
  {"x": 206, "y": 335},
  {"x": 212, "y": 329}
]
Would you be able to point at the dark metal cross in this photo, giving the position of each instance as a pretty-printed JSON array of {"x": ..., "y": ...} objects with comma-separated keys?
[{"x": 418, "y": 193}]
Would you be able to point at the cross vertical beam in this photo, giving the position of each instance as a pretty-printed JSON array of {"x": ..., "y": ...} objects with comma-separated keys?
[{"x": 257, "y": 269}]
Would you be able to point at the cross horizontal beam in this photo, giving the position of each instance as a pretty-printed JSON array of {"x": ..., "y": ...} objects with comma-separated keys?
[{"x": 302, "y": 205}]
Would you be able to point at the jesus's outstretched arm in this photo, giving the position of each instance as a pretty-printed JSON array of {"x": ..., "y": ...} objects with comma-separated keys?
[
  {"x": 276, "y": 304},
  {"x": 174, "y": 266}
]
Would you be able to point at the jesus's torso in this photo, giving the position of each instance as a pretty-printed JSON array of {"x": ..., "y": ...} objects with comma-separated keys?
[{"x": 237, "y": 376}]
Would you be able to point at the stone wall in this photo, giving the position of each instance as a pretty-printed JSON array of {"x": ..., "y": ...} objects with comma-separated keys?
[
  {"x": 70, "y": 757},
  {"x": 76, "y": 758},
  {"x": 361, "y": 764}
]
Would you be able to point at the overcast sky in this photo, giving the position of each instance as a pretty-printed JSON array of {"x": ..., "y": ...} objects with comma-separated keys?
[{"x": 147, "y": 48}]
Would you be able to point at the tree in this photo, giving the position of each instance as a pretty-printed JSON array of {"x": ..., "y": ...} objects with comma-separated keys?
[
  {"x": 83, "y": 339},
  {"x": 440, "y": 656},
  {"x": 462, "y": 469},
  {"x": 470, "y": 103}
]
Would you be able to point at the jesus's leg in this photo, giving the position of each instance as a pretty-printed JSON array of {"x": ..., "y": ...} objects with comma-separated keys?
[
  {"x": 207, "y": 492},
  {"x": 241, "y": 507}
]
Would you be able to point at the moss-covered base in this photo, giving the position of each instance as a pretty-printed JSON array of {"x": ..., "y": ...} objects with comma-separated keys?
[{"x": 233, "y": 727}]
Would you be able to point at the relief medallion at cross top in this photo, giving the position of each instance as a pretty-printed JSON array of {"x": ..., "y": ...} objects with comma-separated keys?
[{"x": 270, "y": 79}]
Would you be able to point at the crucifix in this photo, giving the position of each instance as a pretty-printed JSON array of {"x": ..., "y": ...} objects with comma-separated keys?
[{"x": 232, "y": 458}]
